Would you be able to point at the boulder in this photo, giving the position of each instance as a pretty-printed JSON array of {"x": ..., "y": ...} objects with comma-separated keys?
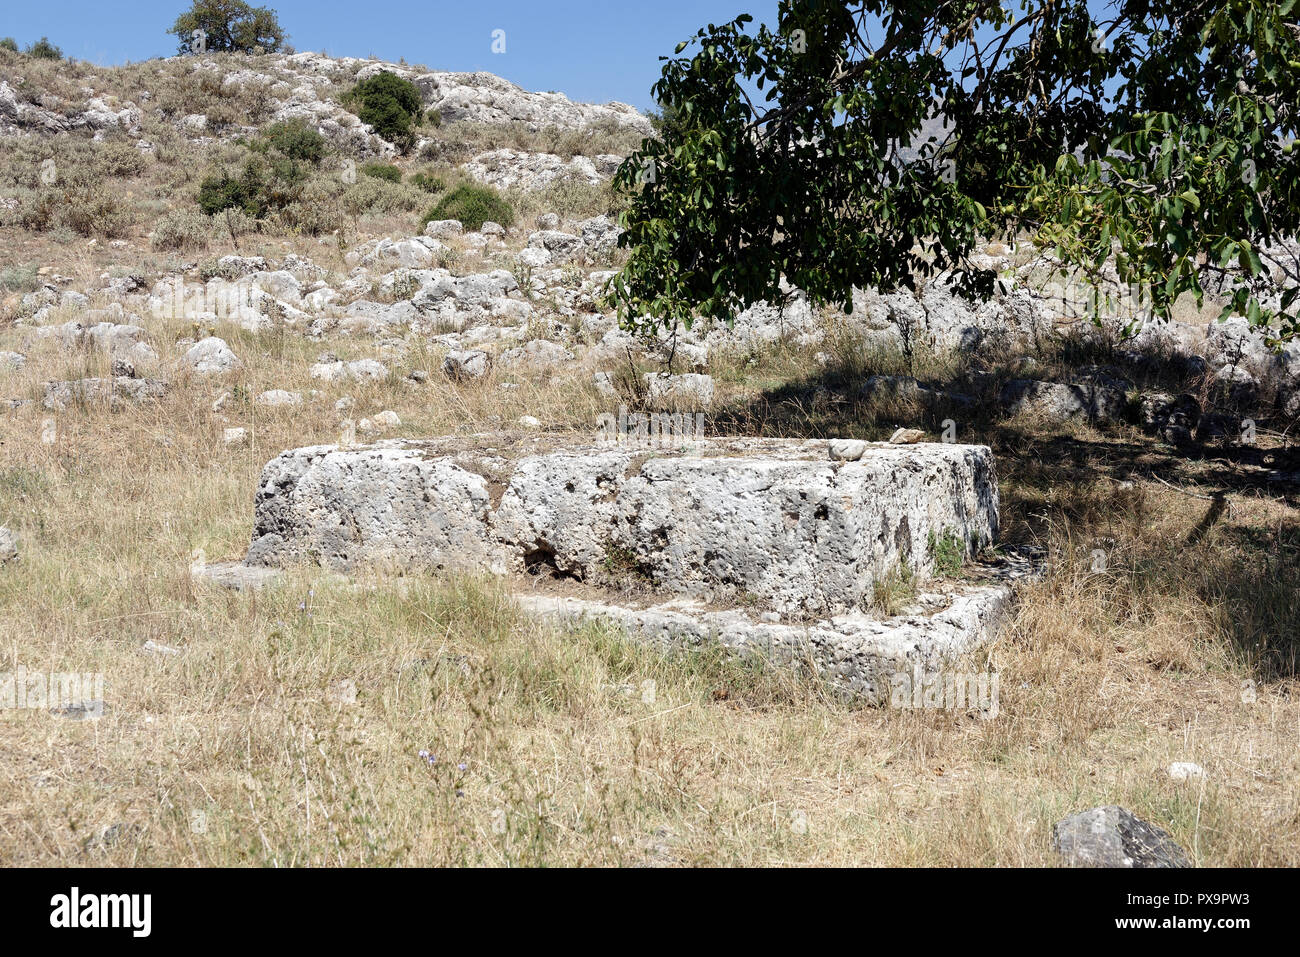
[
  {"x": 466, "y": 365},
  {"x": 211, "y": 356},
  {"x": 771, "y": 522},
  {"x": 1114, "y": 837}
]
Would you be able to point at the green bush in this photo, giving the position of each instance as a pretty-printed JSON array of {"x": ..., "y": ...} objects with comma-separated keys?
[
  {"x": 245, "y": 192},
  {"x": 43, "y": 49},
  {"x": 318, "y": 209},
  {"x": 9, "y": 43},
  {"x": 428, "y": 182},
  {"x": 389, "y": 104},
  {"x": 473, "y": 206},
  {"x": 383, "y": 171},
  {"x": 296, "y": 140}
]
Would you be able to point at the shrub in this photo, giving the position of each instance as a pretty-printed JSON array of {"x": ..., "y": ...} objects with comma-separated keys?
[
  {"x": 389, "y": 104},
  {"x": 244, "y": 192},
  {"x": 9, "y": 43},
  {"x": 473, "y": 206},
  {"x": 95, "y": 211},
  {"x": 383, "y": 171},
  {"x": 317, "y": 209},
  {"x": 296, "y": 140},
  {"x": 381, "y": 196},
  {"x": 182, "y": 229},
  {"x": 119, "y": 158},
  {"x": 428, "y": 182},
  {"x": 20, "y": 278},
  {"x": 230, "y": 26},
  {"x": 43, "y": 49}
]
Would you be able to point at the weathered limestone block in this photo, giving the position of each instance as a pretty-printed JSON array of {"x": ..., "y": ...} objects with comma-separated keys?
[
  {"x": 855, "y": 652},
  {"x": 773, "y": 523},
  {"x": 339, "y": 507}
]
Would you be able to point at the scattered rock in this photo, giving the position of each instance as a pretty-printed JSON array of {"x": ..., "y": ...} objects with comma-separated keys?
[
  {"x": 1114, "y": 837},
  {"x": 688, "y": 389},
  {"x": 211, "y": 356},
  {"x": 8, "y": 546},
  {"x": 277, "y": 398},
  {"x": 906, "y": 437},
  {"x": 847, "y": 450},
  {"x": 465, "y": 366}
]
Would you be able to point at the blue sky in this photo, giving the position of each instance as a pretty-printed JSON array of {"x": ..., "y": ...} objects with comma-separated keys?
[{"x": 588, "y": 49}]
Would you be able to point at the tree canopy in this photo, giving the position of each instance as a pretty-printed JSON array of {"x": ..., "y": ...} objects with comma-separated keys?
[
  {"x": 228, "y": 26},
  {"x": 872, "y": 143}
]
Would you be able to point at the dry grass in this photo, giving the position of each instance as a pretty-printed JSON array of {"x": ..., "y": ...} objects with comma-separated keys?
[{"x": 243, "y": 749}]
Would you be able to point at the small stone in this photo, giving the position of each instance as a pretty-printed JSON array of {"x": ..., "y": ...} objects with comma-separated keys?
[
  {"x": 387, "y": 419},
  {"x": 344, "y": 692},
  {"x": 152, "y": 647},
  {"x": 847, "y": 450},
  {"x": 440, "y": 228},
  {"x": 686, "y": 389},
  {"x": 8, "y": 546},
  {"x": 276, "y": 398},
  {"x": 235, "y": 436},
  {"x": 1186, "y": 771},
  {"x": 906, "y": 437},
  {"x": 530, "y": 422}
]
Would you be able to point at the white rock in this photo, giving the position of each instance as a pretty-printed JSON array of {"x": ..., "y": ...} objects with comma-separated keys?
[
  {"x": 211, "y": 356},
  {"x": 8, "y": 546},
  {"x": 442, "y": 228},
  {"x": 847, "y": 450},
  {"x": 235, "y": 436},
  {"x": 278, "y": 397},
  {"x": 687, "y": 389},
  {"x": 1186, "y": 771},
  {"x": 771, "y": 520}
]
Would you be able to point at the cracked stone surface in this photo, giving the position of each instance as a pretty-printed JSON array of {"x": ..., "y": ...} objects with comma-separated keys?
[
  {"x": 1112, "y": 836},
  {"x": 855, "y": 652},
  {"x": 772, "y": 523}
]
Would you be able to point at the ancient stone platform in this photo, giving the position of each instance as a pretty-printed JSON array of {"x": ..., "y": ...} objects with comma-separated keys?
[
  {"x": 773, "y": 524},
  {"x": 765, "y": 546}
]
